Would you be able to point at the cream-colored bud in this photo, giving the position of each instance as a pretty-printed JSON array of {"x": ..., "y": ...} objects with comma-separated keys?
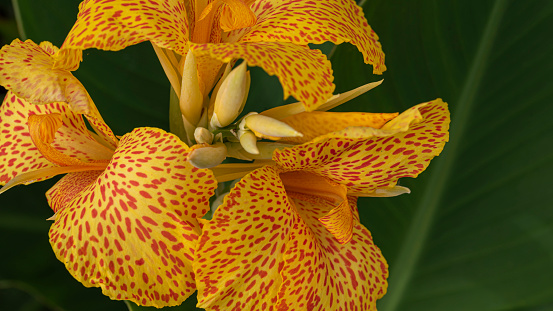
[
  {"x": 191, "y": 98},
  {"x": 203, "y": 135},
  {"x": 231, "y": 96},
  {"x": 267, "y": 127},
  {"x": 248, "y": 141},
  {"x": 207, "y": 156}
]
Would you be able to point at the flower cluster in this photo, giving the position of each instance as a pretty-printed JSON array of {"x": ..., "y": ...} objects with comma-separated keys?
[{"x": 129, "y": 213}]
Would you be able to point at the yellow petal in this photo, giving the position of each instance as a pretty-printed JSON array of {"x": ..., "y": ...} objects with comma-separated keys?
[
  {"x": 42, "y": 129},
  {"x": 265, "y": 243},
  {"x": 321, "y": 274},
  {"x": 312, "y": 188},
  {"x": 303, "y": 22},
  {"x": 303, "y": 73},
  {"x": 18, "y": 153},
  {"x": 241, "y": 249},
  {"x": 236, "y": 15},
  {"x": 27, "y": 72},
  {"x": 364, "y": 158},
  {"x": 317, "y": 123},
  {"x": 114, "y": 25},
  {"x": 132, "y": 232}
]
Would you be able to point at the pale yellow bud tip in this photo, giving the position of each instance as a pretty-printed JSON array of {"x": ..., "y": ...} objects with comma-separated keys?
[
  {"x": 191, "y": 98},
  {"x": 248, "y": 141},
  {"x": 267, "y": 126},
  {"x": 207, "y": 156},
  {"x": 231, "y": 97}
]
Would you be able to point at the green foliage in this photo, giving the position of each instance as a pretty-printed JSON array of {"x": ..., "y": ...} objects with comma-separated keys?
[{"x": 477, "y": 231}]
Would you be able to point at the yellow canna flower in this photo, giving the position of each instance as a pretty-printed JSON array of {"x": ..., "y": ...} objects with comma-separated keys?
[
  {"x": 125, "y": 217},
  {"x": 272, "y": 34},
  {"x": 288, "y": 237}
]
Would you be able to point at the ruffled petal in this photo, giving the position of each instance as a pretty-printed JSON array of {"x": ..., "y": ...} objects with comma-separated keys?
[
  {"x": 303, "y": 22},
  {"x": 317, "y": 123},
  {"x": 303, "y": 73},
  {"x": 364, "y": 158},
  {"x": 114, "y": 25},
  {"x": 18, "y": 153},
  {"x": 321, "y": 274},
  {"x": 239, "y": 256},
  {"x": 27, "y": 70},
  {"x": 133, "y": 230}
]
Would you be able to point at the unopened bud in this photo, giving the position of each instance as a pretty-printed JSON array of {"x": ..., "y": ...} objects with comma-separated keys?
[
  {"x": 203, "y": 136},
  {"x": 248, "y": 141},
  {"x": 191, "y": 98},
  {"x": 231, "y": 96},
  {"x": 267, "y": 127},
  {"x": 207, "y": 156}
]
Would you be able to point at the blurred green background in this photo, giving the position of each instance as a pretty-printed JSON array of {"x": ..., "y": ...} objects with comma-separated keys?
[{"x": 476, "y": 233}]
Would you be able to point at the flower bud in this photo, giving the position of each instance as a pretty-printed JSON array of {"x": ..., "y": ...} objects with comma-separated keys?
[
  {"x": 267, "y": 127},
  {"x": 191, "y": 98},
  {"x": 248, "y": 141},
  {"x": 203, "y": 136},
  {"x": 207, "y": 156},
  {"x": 231, "y": 96}
]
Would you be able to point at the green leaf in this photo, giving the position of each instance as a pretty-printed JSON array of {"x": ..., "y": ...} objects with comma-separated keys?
[{"x": 476, "y": 233}]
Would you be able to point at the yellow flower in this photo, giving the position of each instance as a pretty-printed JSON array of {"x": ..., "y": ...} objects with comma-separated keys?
[
  {"x": 288, "y": 236},
  {"x": 125, "y": 217},
  {"x": 267, "y": 33},
  {"x": 126, "y": 211}
]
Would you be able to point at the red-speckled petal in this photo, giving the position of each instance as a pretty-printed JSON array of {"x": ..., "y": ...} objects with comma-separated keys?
[
  {"x": 321, "y": 274},
  {"x": 18, "y": 153},
  {"x": 133, "y": 230},
  {"x": 68, "y": 187},
  {"x": 364, "y": 158},
  {"x": 339, "y": 219},
  {"x": 27, "y": 70},
  {"x": 114, "y": 25},
  {"x": 239, "y": 256},
  {"x": 303, "y": 22},
  {"x": 318, "y": 123},
  {"x": 305, "y": 74}
]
